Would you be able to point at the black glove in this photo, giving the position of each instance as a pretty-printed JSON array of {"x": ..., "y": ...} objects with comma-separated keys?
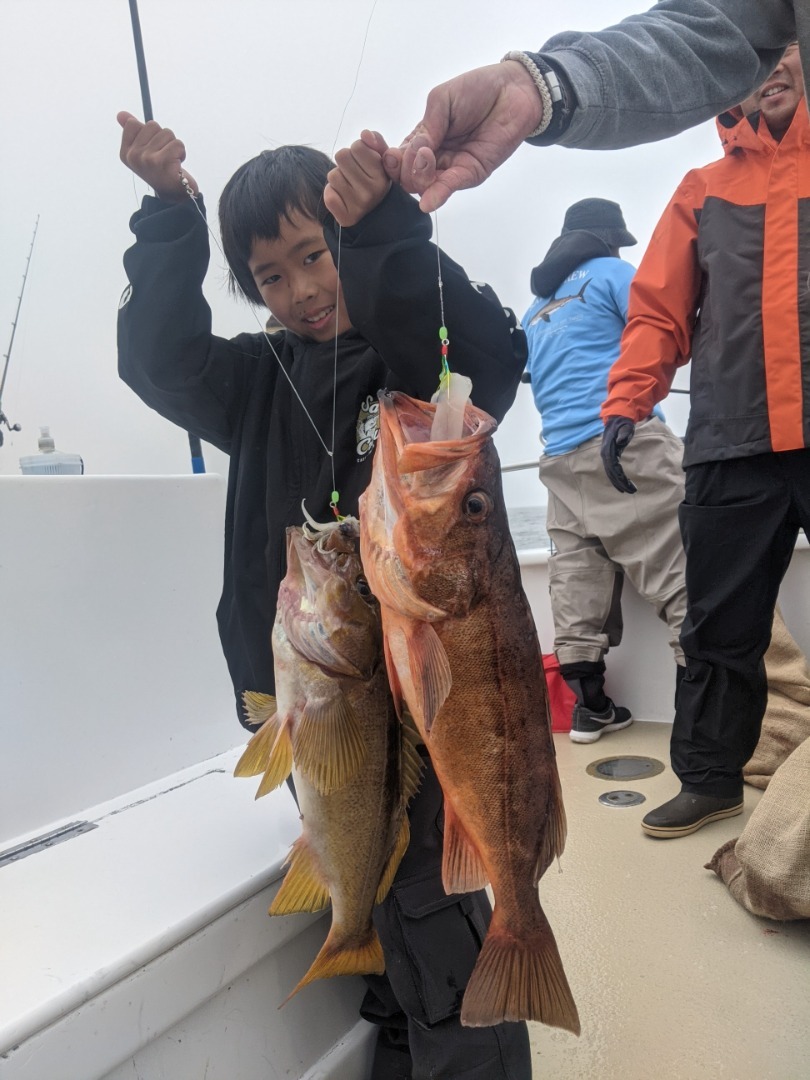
[{"x": 619, "y": 430}]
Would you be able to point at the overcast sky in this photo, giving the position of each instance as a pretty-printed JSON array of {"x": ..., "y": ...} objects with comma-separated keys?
[{"x": 232, "y": 78}]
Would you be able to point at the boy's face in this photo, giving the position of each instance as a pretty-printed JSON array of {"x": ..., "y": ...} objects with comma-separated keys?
[
  {"x": 297, "y": 279},
  {"x": 779, "y": 97}
]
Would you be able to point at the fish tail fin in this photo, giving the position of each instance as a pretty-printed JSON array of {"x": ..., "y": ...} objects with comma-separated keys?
[
  {"x": 519, "y": 981},
  {"x": 340, "y": 958},
  {"x": 462, "y": 867},
  {"x": 303, "y": 888},
  {"x": 556, "y": 830}
]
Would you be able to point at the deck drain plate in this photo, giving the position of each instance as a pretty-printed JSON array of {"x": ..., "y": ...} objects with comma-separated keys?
[
  {"x": 625, "y": 768},
  {"x": 621, "y": 798}
]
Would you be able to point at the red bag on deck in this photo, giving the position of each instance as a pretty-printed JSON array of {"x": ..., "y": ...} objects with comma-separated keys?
[{"x": 561, "y": 698}]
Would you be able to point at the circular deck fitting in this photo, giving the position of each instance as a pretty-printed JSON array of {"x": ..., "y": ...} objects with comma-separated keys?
[
  {"x": 621, "y": 798},
  {"x": 625, "y": 768}
]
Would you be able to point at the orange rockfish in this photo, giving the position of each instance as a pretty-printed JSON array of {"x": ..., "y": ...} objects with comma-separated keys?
[
  {"x": 334, "y": 724},
  {"x": 462, "y": 652}
]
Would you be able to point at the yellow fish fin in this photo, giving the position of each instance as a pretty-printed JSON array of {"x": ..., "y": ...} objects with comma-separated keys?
[
  {"x": 556, "y": 828},
  {"x": 412, "y": 764},
  {"x": 462, "y": 867},
  {"x": 258, "y": 707},
  {"x": 303, "y": 888},
  {"x": 328, "y": 746},
  {"x": 256, "y": 756},
  {"x": 519, "y": 980},
  {"x": 394, "y": 859},
  {"x": 364, "y": 958},
  {"x": 280, "y": 763}
]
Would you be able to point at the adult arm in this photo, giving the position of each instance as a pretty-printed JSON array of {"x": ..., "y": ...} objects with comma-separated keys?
[
  {"x": 664, "y": 300},
  {"x": 667, "y": 69},
  {"x": 389, "y": 271},
  {"x": 166, "y": 351},
  {"x": 647, "y": 78}
]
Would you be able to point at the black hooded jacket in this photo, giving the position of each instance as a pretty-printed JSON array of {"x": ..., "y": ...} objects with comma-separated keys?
[{"x": 232, "y": 394}]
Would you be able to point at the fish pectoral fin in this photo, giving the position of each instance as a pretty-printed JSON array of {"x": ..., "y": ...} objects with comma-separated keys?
[
  {"x": 556, "y": 828},
  {"x": 280, "y": 764},
  {"x": 515, "y": 980},
  {"x": 327, "y": 744},
  {"x": 258, "y": 707},
  {"x": 394, "y": 859},
  {"x": 463, "y": 869},
  {"x": 422, "y": 670},
  {"x": 304, "y": 887},
  {"x": 336, "y": 958},
  {"x": 263, "y": 754}
]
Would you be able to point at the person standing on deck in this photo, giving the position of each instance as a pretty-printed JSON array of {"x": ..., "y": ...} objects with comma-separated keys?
[
  {"x": 724, "y": 281},
  {"x": 574, "y": 327}
]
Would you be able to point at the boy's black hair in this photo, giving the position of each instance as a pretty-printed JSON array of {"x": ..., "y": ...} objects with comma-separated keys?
[{"x": 261, "y": 193}]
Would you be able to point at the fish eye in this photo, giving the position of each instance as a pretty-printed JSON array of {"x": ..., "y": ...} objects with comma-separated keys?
[
  {"x": 477, "y": 506},
  {"x": 363, "y": 588}
]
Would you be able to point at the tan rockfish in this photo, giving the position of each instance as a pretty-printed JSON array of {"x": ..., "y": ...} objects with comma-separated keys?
[
  {"x": 462, "y": 652},
  {"x": 334, "y": 724}
]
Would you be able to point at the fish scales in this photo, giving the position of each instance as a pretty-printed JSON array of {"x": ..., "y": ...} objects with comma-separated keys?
[
  {"x": 334, "y": 724},
  {"x": 462, "y": 652}
]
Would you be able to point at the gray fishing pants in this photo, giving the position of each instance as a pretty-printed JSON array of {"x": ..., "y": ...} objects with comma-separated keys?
[
  {"x": 431, "y": 942},
  {"x": 601, "y": 536}
]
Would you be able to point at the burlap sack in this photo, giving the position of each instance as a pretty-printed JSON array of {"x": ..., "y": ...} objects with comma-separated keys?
[
  {"x": 767, "y": 869},
  {"x": 786, "y": 723}
]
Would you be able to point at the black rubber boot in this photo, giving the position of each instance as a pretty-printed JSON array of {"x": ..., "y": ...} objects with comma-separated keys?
[{"x": 687, "y": 813}]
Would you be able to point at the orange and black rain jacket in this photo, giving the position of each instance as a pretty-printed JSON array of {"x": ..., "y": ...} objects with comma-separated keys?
[{"x": 726, "y": 281}]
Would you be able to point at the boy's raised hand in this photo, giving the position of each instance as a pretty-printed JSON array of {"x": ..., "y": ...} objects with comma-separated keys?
[
  {"x": 154, "y": 154},
  {"x": 359, "y": 181}
]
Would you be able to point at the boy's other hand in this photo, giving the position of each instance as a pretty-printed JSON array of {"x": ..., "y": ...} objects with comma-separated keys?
[
  {"x": 359, "y": 182},
  {"x": 154, "y": 154}
]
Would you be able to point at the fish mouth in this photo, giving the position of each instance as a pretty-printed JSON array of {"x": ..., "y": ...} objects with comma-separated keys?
[
  {"x": 313, "y": 562},
  {"x": 408, "y": 423}
]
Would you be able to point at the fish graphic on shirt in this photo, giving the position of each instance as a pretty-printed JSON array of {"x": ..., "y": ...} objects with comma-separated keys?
[{"x": 558, "y": 302}]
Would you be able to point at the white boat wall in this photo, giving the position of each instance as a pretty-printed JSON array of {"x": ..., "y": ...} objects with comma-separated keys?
[{"x": 137, "y": 944}]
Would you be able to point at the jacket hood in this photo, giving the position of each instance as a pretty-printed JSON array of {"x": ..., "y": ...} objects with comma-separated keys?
[
  {"x": 738, "y": 132},
  {"x": 563, "y": 257}
]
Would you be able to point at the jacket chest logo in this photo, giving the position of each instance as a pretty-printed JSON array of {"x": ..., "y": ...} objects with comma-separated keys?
[{"x": 368, "y": 426}]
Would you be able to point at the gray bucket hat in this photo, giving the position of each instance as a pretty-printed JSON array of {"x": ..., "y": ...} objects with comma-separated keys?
[{"x": 601, "y": 217}]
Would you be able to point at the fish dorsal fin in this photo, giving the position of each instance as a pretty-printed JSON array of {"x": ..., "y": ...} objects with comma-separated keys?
[
  {"x": 394, "y": 859},
  {"x": 423, "y": 669},
  {"x": 412, "y": 764},
  {"x": 462, "y": 867},
  {"x": 280, "y": 764},
  {"x": 327, "y": 744},
  {"x": 258, "y": 707},
  {"x": 556, "y": 828},
  {"x": 304, "y": 887}
]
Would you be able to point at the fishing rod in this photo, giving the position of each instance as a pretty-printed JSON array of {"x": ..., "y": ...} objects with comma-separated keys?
[
  {"x": 197, "y": 460},
  {"x": 7, "y": 358}
]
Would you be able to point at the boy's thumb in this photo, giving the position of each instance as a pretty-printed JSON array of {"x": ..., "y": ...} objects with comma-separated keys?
[{"x": 122, "y": 118}]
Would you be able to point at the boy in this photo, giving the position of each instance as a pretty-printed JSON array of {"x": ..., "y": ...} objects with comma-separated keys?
[
  {"x": 342, "y": 342},
  {"x": 724, "y": 281}
]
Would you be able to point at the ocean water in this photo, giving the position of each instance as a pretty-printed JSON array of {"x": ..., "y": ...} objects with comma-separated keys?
[{"x": 528, "y": 527}]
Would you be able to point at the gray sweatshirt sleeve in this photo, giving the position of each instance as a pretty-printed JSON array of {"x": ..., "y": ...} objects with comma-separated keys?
[{"x": 669, "y": 68}]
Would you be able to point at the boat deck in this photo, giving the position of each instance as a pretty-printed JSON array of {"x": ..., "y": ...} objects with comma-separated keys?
[{"x": 672, "y": 977}]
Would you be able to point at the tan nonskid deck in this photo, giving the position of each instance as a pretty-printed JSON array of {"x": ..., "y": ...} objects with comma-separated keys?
[{"x": 673, "y": 979}]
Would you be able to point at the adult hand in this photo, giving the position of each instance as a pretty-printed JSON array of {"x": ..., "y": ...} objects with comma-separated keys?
[
  {"x": 472, "y": 124},
  {"x": 156, "y": 155},
  {"x": 359, "y": 182},
  {"x": 619, "y": 430}
]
